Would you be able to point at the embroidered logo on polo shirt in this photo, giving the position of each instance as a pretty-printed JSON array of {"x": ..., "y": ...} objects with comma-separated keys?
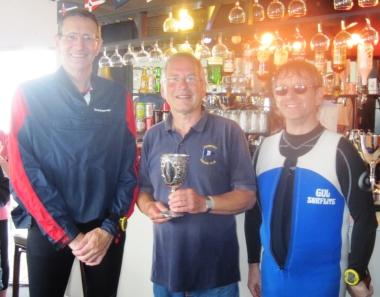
[
  {"x": 208, "y": 154},
  {"x": 102, "y": 110}
]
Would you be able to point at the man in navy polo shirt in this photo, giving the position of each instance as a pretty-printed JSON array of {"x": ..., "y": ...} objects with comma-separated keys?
[{"x": 197, "y": 254}]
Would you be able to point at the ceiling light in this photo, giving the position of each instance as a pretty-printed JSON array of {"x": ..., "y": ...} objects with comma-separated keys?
[{"x": 186, "y": 22}]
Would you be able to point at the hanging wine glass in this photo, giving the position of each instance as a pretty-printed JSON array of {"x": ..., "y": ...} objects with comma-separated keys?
[
  {"x": 116, "y": 59},
  {"x": 369, "y": 35},
  {"x": 129, "y": 58},
  {"x": 255, "y": 44},
  {"x": 277, "y": 42},
  {"x": 186, "y": 48},
  {"x": 276, "y": 10},
  {"x": 202, "y": 51},
  {"x": 142, "y": 55},
  {"x": 237, "y": 14},
  {"x": 367, "y": 3},
  {"x": 170, "y": 51},
  {"x": 343, "y": 38},
  {"x": 297, "y": 8},
  {"x": 105, "y": 61},
  {"x": 156, "y": 54},
  {"x": 171, "y": 24},
  {"x": 219, "y": 50},
  {"x": 343, "y": 4},
  {"x": 298, "y": 45},
  {"x": 320, "y": 43},
  {"x": 258, "y": 14}
]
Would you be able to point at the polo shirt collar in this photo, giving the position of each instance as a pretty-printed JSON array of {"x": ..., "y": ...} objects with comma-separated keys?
[{"x": 198, "y": 127}]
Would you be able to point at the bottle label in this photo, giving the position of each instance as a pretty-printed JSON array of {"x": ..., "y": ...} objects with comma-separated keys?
[
  {"x": 339, "y": 56},
  {"x": 140, "y": 110},
  {"x": 140, "y": 125},
  {"x": 229, "y": 66},
  {"x": 151, "y": 83},
  {"x": 365, "y": 56},
  {"x": 320, "y": 62},
  {"x": 215, "y": 61}
]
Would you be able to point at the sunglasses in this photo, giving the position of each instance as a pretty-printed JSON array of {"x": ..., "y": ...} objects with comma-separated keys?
[{"x": 298, "y": 89}]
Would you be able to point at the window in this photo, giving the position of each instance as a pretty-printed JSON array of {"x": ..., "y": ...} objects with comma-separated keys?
[{"x": 16, "y": 67}]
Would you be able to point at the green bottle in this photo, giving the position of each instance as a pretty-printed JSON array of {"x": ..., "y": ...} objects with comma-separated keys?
[{"x": 158, "y": 80}]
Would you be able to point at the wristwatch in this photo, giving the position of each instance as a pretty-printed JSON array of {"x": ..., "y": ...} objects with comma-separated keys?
[
  {"x": 209, "y": 203},
  {"x": 351, "y": 277}
]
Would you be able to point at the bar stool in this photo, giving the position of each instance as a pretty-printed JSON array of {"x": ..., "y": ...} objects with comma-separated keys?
[{"x": 20, "y": 247}]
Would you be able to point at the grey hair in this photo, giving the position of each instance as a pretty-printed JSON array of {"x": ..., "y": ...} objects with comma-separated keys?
[{"x": 182, "y": 55}]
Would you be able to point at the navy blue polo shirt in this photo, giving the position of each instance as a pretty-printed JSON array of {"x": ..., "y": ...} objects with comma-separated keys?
[{"x": 198, "y": 251}]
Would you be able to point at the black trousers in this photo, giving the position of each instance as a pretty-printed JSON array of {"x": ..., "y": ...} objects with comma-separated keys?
[
  {"x": 4, "y": 252},
  {"x": 49, "y": 269}
]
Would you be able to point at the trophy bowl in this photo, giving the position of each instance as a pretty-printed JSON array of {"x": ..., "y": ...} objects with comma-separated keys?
[
  {"x": 174, "y": 169},
  {"x": 370, "y": 145},
  {"x": 354, "y": 138}
]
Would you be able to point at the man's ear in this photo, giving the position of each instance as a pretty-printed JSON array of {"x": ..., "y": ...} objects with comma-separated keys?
[{"x": 319, "y": 96}]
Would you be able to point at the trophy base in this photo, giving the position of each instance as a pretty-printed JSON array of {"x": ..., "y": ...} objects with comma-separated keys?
[{"x": 172, "y": 214}]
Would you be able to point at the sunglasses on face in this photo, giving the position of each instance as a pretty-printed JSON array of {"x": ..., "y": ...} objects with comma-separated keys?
[{"x": 298, "y": 89}]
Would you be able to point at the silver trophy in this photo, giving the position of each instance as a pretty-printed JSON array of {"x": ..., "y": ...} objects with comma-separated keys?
[
  {"x": 370, "y": 147},
  {"x": 174, "y": 169},
  {"x": 354, "y": 138}
]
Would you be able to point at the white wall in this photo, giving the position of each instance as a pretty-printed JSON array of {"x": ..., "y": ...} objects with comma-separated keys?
[{"x": 27, "y": 23}]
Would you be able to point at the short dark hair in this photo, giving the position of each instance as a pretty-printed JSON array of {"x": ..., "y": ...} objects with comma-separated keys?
[
  {"x": 78, "y": 13},
  {"x": 300, "y": 68}
]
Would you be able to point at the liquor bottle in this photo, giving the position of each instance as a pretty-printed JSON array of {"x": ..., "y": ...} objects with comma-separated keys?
[
  {"x": 144, "y": 81},
  {"x": 364, "y": 64},
  {"x": 238, "y": 79},
  {"x": 320, "y": 61},
  {"x": 214, "y": 69},
  {"x": 229, "y": 63},
  {"x": 338, "y": 63},
  {"x": 280, "y": 55},
  {"x": 157, "y": 86},
  {"x": 151, "y": 81}
]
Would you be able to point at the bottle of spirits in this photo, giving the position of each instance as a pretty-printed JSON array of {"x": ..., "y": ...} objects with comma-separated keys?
[
  {"x": 364, "y": 64},
  {"x": 157, "y": 86},
  {"x": 229, "y": 63},
  {"x": 214, "y": 70},
  {"x": 338, "y": 63},
  {"x": 238, "y": 79},
  {"x": 144, "y": 81},
  {"x": 151, "y": 81}
]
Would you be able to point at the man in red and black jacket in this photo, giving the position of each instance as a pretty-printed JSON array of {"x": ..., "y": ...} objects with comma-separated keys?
[{"x": 73, "y": 165}]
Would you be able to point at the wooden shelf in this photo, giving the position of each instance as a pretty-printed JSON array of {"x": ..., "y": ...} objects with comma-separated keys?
[{"x": 243, "y": 29}]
